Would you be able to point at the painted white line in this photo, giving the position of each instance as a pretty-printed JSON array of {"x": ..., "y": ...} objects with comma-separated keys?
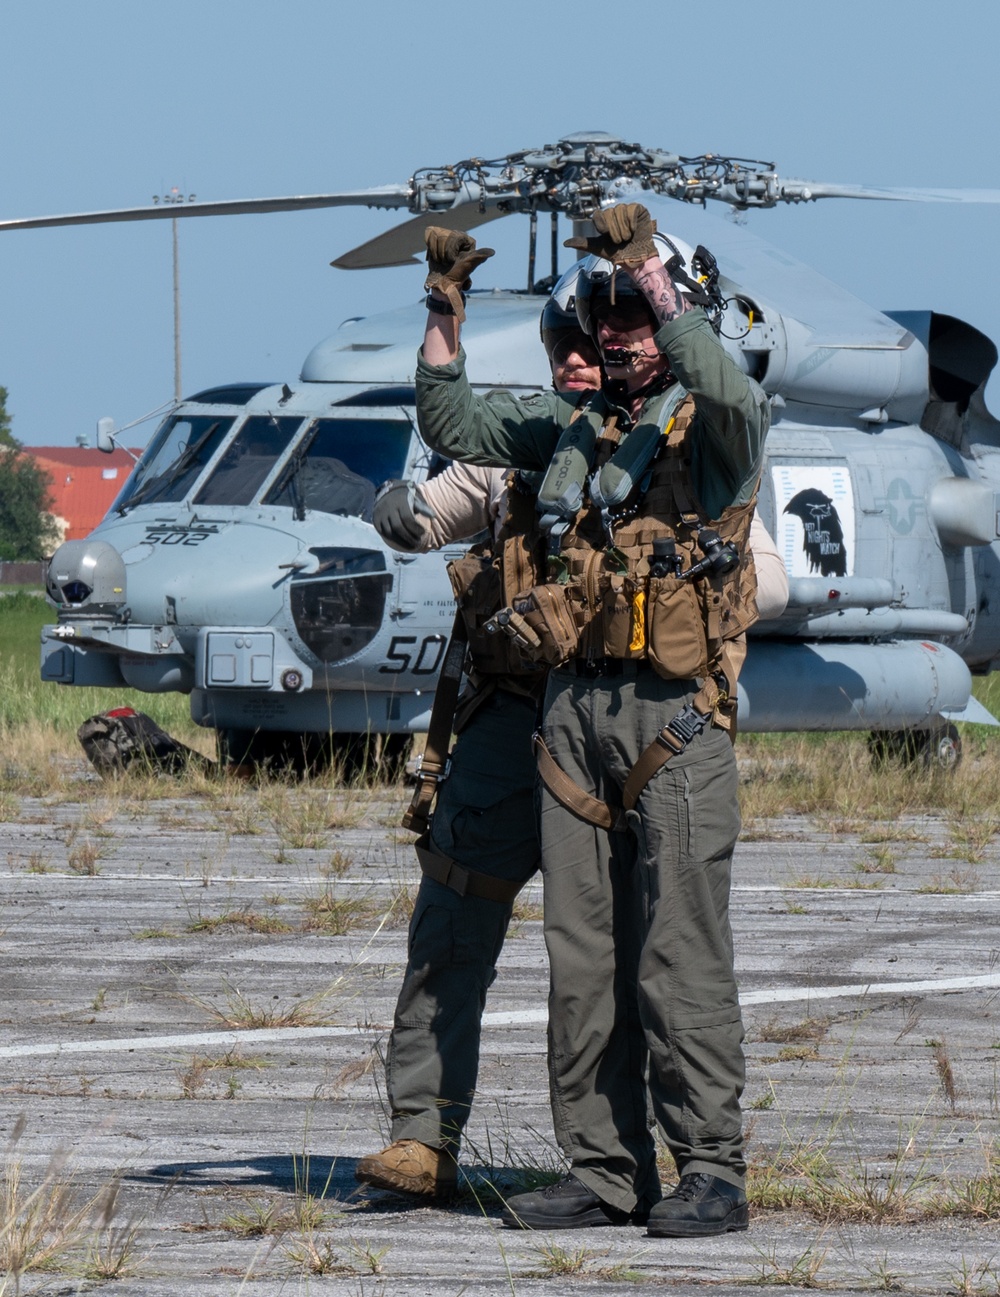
[
  {"x": 786, "y": 995},
  {"x": 190, "y": 1040},
  {"x": 501, "y": 1018}
]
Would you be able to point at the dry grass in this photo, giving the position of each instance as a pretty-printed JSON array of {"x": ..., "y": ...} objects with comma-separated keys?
[
  {"x": 956, "y": 882},
  {"x": 787, "y": 1033},
  {"x": 800, "y": 1270},
  {"x": 832, "y": 775},
  {"x": 337, "y": 866},
  {"x": 946, "y": 1073},
  {"x": 335, "y": 915},
  {"x": 242, "y": 1013},
  {"x": 399, "y": 910},
  {"x": 879, "y": 860},
  {"x": 249, "y": 920},
  {"x": 818, "y": 1169},
  {"x": 83, "y": 859},
  {"x": 55, "y": 1226}
]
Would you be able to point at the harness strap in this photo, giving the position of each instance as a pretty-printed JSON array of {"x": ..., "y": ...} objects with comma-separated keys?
[
  {"x": 434, "y": 762},
  {"x": 672, "y": 739},
  {"x": 466, "y": 882},
  {"x": 568, "y": 793}
]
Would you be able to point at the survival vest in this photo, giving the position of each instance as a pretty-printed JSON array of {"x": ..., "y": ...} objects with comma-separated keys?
[{"x": 604, "y": 595}]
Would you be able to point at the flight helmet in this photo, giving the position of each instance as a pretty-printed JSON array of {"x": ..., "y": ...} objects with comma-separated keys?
[
  {"x": 593, "y": 290},
  {"x": 558, "y": 321}
]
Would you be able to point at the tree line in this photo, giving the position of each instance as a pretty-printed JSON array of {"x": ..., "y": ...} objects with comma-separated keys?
[{"x": 26, "y": 529}]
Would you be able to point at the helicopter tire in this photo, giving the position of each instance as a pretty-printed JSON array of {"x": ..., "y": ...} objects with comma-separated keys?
[
  {"x": 934, "y": 749},
  {"x": 279, "y": 753}
]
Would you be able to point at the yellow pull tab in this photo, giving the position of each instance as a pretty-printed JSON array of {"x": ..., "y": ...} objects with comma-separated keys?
[{"x": 638, "y": 641}]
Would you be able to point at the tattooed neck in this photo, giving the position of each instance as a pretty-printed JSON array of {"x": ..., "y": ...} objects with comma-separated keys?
[{"x": 661, "y": 293}]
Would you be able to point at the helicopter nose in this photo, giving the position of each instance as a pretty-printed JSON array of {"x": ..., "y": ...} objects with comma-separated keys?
[{"x": 87, "y": 573}]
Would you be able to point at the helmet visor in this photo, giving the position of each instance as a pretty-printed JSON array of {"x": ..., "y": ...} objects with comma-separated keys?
[{"x": 570, "y": 343}]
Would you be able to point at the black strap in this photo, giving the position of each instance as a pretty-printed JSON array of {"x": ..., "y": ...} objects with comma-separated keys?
[{"x": 466, "y": 882}]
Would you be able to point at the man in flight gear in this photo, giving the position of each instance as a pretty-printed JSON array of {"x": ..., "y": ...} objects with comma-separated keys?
[{"x": 645, "y": 507}]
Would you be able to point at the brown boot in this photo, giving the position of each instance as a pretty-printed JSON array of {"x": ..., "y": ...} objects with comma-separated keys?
[{"x": 408, "y": 1166}]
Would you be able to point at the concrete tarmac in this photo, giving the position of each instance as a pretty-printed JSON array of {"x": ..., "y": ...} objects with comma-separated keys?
[{"x": 197, "y": 993}]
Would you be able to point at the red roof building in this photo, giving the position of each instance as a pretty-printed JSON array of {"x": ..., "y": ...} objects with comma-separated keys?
[{"x": 84, "y": 484}]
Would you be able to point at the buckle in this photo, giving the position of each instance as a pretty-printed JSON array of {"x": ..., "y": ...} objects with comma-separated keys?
[
  {"x": 683, "y": 727},
  {"x": 439, "y": 778}
]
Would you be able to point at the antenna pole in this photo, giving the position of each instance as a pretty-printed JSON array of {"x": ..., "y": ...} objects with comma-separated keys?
[
  {"x": 555, "y": 245},
  {"x": 532, "y": 244},
  {"x": 177, "y": 317}
]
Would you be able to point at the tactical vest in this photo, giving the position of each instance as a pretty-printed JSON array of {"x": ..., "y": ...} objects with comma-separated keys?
[
  {"x": 487, "y": 579},
  {"x": 600, "y": 599}
]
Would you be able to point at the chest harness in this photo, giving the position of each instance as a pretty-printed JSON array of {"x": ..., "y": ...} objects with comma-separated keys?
[{"x": 636, "y": 569}]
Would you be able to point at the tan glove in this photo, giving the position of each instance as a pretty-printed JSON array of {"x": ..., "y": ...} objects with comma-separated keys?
[
  {"x": 624, "y": 235},
  {"x": 452, "y": 256}
]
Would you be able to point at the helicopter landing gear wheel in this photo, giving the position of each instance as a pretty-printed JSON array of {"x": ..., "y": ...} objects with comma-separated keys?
[
  {"x": 935, "y": 749},
  {"x": 944, "y": 748}
]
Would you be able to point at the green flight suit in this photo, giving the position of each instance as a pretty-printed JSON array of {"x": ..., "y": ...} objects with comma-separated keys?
[{"x": 644, "y": 1011}]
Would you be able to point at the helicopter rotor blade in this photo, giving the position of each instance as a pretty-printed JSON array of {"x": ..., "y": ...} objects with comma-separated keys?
[
  {"x": 388, "y": 196},
  {"x": 799, "y": 191},
  {"x": 399, "y": 246}
]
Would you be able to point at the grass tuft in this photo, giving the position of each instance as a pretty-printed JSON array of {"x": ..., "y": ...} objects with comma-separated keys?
[{"x": 241, "y": 1013}]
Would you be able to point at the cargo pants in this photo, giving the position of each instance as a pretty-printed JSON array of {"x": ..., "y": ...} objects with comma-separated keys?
[
  {"x": 486, "y": 819},
  {"x": 644, "y": 1017}
]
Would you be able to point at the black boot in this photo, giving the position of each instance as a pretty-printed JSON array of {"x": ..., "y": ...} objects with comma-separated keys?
[
  {"x": 701, "y": 1204},
  {"x": 566, "y": 1205}
]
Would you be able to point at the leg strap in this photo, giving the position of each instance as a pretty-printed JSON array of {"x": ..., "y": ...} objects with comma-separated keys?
[
  {"x": 466, "y": 882},
  {"x": 671, "y": 740},
  {"x": 568, "y": 793}
]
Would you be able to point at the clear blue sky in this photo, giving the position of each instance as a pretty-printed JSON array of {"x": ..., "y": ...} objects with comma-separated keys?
[{"x": 105, "y": 103}]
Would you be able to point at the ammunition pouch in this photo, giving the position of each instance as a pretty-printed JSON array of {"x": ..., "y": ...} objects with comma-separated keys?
[{"x": 677, "y": 640}]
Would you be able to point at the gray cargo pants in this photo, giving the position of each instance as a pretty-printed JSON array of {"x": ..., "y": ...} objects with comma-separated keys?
[
  {"x": 487, "y": 820},
  {"x": 644, "y": 1015}
]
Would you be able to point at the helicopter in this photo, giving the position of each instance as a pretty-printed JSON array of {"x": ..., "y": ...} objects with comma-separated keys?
[{"x": 238, "y": 564}]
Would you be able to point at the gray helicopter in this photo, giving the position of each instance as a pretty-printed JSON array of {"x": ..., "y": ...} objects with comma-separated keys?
[{"x": 239, "y": 565}]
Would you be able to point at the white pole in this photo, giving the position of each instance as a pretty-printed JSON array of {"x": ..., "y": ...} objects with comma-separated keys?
[{"x": 177, "y": 318}]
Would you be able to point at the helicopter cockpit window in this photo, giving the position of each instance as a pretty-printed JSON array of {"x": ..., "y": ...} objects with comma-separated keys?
[
  {"x": 339, "y": 465},
  {"x": 248, "y": 460},
  {"x": 174, "y": 459}
]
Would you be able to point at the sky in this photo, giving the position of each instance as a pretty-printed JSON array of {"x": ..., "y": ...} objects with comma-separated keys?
[{"x": 105, "y": 103}]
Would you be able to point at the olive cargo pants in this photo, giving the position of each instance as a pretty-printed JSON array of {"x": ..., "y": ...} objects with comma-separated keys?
[
  {"x": 644, "y": 1016},
  {"x": 487, "y": 820}
]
